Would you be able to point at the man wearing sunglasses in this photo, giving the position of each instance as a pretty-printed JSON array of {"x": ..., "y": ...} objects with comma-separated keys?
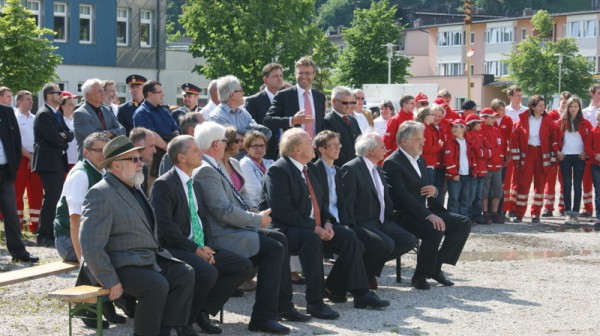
[{"x": 340, "y": 121}]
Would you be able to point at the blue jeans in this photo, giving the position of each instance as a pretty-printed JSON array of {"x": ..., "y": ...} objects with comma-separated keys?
[
  {"x": 64, "y": 247},
  {"x": 476, "y": 194},
  {"x": 596, "y": 180},
  {"x": 459, "y": 198},
  {"x": 571, "y": 168},
  {"x": 439, "y": 182}
]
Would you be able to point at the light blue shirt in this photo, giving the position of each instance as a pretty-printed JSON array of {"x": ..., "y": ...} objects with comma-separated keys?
[
  {"x": 333, "y": 208},
  {"x": 224, "y": 115}
]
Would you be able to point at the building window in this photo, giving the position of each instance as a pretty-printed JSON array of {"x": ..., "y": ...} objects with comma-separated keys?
[
  {"x": 498, "y": 35},
  {"x": 451, "y": 38},
  {"x": 145, "y": 28},
  {"x": 592, "y": 61},
  {"x": 523, "y": 34},
  {"x": 122, "y": 26},
  {"x": 35, "y": 9},
  {"x": 85, "y": 24},
  {"x": 451, "y": 69},
  {"x": 496, "y": 68},
  {"x": 60, "y": 22}
]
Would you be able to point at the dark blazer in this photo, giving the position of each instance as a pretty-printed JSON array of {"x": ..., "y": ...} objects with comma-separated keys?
[
  {"x": 361, "y": 198},
  {"x": 285, "y": 105},
  {"x": 258, "y": 105},
  {"x": 170, "y": 203},
  {"x": 11, "y": 138},
  {"x": 405, "y": 185},
  {"x": 339, "y": 190},
  {"x": 286, "y": 193},
  {"x": 86, "y": 122},
  {"x": 348, "y": 135},
  {"x": 50, "y": 148}
]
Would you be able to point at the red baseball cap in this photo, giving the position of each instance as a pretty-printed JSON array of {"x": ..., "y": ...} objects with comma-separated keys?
[
  {"x": 488, "y": 112},
  {"x": 68, "y": 94},
  {"x": 440, "y": 101},
  {"x": 471, "y": 118},
  {"x": 421, "y": 97},
  {"x": 459, "y": 122}
]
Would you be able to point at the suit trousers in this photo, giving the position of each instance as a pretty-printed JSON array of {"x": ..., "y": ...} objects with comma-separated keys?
[
  {"x": 164, "y": 298},
  {"x": 214, "y": 283},
  {"x": 430, "y": 259},
  {"x": 382, "y": 243},
  {"x": 52, "y": 183},
  {"x": 274, "y": 281},
  {"x": 8, "y": 208}
]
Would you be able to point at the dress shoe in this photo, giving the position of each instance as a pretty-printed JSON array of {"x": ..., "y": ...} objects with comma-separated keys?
[
  {"x": 441, "y": 279},
  {"x": 373, "y": 283},
  {"x": 89, "y": 319},
  {"x": 127, "y": 304},
  {"x": 517, "y": 219},
  {"x": 563, "y": 213},
  {"x": 45, "y": 241},
  {"x": 204, "y": 323},
  {"x": 322, "y": 311},
  {"x": 238, "y": 292},
  {"x": 109, "y": 313},
  {"x": 496, "y": 219},
  {"x": 585, "y": 214},
  {"x": 26, "y": 258},
  {"x": 547, "y": 213},
  {"x": 185, "y": 331},
  {"x": 293, "y": 315},
  {"x": 298, "y": 280},
  {"x": 370, "y": 300},
  {"x": 511, "y": 214},
  {"x": 268, "y": 326},
  {"x": 419, "y": 282},
  {"x": 337, "y": 298},
  {"x": 535, "y": 219}
]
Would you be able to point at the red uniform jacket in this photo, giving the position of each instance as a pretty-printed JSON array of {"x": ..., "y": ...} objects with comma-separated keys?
[
  {"x": 584, "y": 128},
  {"x": 497, "y": 146},
  {"x": 480, "y": 152},
  {"x": 452, "y": 156},
  {"x": 442, "y": 133},
  {"x": 389, "y": 137},
  {"x": 432, "y": 146},
  {"x": 450, "y": 114},
  {"x": 520, "y": 137},
  {"x": 592, "y": 146},
  {"x": 554, "y": 115}
]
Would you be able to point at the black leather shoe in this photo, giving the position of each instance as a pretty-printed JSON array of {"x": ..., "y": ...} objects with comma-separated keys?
[
  {"x": 535, "y": 220},
  {"x": 26, "y": 258},
  {"x": 89, "y": 319},
  {"x": 322, "y": 311},
  {"x": 44, "y": 241},
  {"x": 185, "y": 331},
  {"x": 294, "y": 316},
  {"x": 419, "y": 282},
  {"x": 268, "y": 326},
  {"x": 370, "y": 300},
  {"x": 109, "y": 313},
  {"x": 127, "y": 305},
  {"x": 204, "y": 323},
  {"x": 337, "y": 298},
  {"x": 547, "y": 213},
  {"x": 517, "y": 219},
  {"x": 237, "y": 293},
  {"x": 441, "y": 279}
]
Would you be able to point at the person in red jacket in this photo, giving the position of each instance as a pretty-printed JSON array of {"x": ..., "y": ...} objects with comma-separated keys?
[
  {"x": 469, "y": 107},
  {"x": 550, "y": 186},
  {"x": 433, "y": 144},
  {"x": 492, "y": 186},
  {"x": 572, "y": 134},
  {"x": 480, "y": 154},
  {"x": 407, "y": 105},
  {"x": 439, "y": 128},
  {"x": 457, "y": 156},
  {"x": 533, "y": 148},
  {"x": 449, "y": 114},
  {"x": 592, "y": 149},
  {"x": 505, "y": 124}
]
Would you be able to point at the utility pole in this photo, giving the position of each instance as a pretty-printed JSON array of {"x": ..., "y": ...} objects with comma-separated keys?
[
  {"x": 390, "y": 52},
  {"x": 468, "y": 54},
  {"x": 560, "y": 63}
]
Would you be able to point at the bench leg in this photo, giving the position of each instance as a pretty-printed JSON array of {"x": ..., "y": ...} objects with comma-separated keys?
[
  {"x": 221, "y": 316},
  {"x": 70, "y": 320},
  {"x": 99, "y": 330},
  {"x": 398, "y": 270}
]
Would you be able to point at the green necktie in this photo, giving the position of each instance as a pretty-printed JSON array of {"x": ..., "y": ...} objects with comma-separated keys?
[{"x": 198, "y": 233}]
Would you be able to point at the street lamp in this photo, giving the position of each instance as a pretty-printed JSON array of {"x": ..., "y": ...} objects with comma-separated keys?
[
  {"x": 390, "y": 52},
  {"x": 560, "y": 63}
]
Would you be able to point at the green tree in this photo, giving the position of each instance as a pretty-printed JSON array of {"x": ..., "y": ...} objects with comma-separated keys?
[
  {"x": 334, "y": 13},
  {"x": 534, "y": 65},
  {"x": 239, "y": 37},
  {"x": 364, "y": 60},
  {"x": 27, "y": 59},
  {"x": 174, "y": 26}
]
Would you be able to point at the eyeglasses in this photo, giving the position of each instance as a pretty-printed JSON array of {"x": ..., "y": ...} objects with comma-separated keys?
[
  {"x": 134, "y": 159},
  {"x": 334, "y": 145},
  {"x": 240, "y": 90},
  {"x": 360, "y": 98},
  {"x": 97, "y": 150},
  {"x": 239, "y": 141},
  {"x": 56, "y": 92},
  {"x": 156, "y": 92},
  {"x": 423, "y": 103},
  {"x": 348, "y": 102},
  {"x": 223, "y": 140},
  {"x": 258, "y": 146}
]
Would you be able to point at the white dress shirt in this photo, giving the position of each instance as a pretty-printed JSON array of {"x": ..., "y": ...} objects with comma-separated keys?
[
  {"x": 534, "y": 130},
  {"x": 589, "y": 113},
  {"x": 26, "y": 129},
  {"x": 75, "y": 188},
  {"x": 514, "y": 114},
  {"x": 413, "y": 161}
]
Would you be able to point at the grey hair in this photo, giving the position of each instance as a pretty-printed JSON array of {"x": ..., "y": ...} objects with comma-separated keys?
[
  {"x": 407, "y": 129},
  {"x": 365, "y": 143},
  {"x": 436, "y": 107},
  {"x": 178, "y": 145},
  {"x": 91, "y": 139},
  {"x": 340, "y": 91},
  {"x": 86, "y": 87},
  {"x": 207, "y": 133},
  {"x": 225, "y": 86}
]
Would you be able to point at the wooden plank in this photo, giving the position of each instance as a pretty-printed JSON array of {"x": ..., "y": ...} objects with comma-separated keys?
[
  {"x": 79, "y": 294},
  {"x": 36, "y": 272}
]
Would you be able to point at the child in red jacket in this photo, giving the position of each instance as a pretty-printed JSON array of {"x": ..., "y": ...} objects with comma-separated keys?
[
  {"x": 480, "y": 154},
  {"x": 492, "y": 186},
  {"x": 458, "y": 163}
]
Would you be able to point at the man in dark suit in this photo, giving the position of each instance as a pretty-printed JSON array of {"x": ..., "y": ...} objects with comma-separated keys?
[
  {"x": 10, "y": 157},
  {"x": 418, "y": 210},
  {"x": 237, "y": 229},
  {"x": 299, "y": 209},
  {"x": 370, "y": 209},
  {"x": 183, "y": 231},
  {"x": 339, "y": 120},
  {"x": 298, "y": 106},
  {"x": 259, "y": 104},
  {"x": 119, "y": 245},
  {"x": 51, "y": 140},
  {"x": 93, "y": 116}
]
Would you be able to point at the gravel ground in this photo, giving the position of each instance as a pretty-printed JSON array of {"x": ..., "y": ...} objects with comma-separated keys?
[{"x": 513, "y": 279}]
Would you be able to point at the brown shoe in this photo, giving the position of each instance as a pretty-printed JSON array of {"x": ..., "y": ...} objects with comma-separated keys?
[{"x": 496, "y": 219}]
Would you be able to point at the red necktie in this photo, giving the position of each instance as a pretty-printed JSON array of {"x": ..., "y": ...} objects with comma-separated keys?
[
  {"x": 99, "y": 112},
  {"x": 345, "y": 117},
  {"x": 308, "y": 112},
  {"x": 313, "y": 198}
]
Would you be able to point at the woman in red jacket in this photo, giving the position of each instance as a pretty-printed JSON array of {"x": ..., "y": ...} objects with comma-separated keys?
[
  {"x": 573, "y": 131},
  {"x": 592, "y": 149},
  {"x": 433, "y": 144}
]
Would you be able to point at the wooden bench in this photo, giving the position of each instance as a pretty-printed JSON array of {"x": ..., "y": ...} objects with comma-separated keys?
[
  {"x": 83, "y": 298},
  {"x": 36, "y": 272}
]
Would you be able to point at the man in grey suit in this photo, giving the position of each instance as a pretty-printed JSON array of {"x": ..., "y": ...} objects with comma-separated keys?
[
  {"x": 119, "y": 244},
  {"x": 238, "y": 230},
  {"x": 92, "y": 116}
]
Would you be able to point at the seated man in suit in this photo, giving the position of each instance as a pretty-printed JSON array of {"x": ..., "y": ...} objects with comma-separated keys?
[
  {"x": 299, "y": 209},
  {"x": 370, "y": 209},
  {"x": 341, "y": 121},
  {"x": 119, "y": 245},
  {"x": 418, "y": 210},
  {"x": 182, "y": 230},
  {"x": 241, "y": 231}
]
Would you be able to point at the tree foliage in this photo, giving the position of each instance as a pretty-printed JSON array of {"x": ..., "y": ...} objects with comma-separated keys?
[
  {"x": 542, "y": 23},
  {"x": 174, "y": 26},
  {"x": 364, "y": 60},
  {"x": 239, "y": 37},
  {"x": 535, "y": 67},
  {"x": 27, "y": 58},
  {"x": 334, "y": 13},
  {"x": 515, "y": 8}
]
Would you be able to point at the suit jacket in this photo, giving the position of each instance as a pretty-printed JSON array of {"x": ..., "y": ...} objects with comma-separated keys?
[
  {"x": 361, "y": 196},
  {"x": 86, "y": 122},
  {"x": 11, "y": 138},
  {"x": 170, "y": 202},
  {"x": 285, "y": 105},
  {"x": 339, "y": 190},
  {"x": 115, "y": 232},
  {"x": 233, "y": 228},
  {"x": 405, "y": 186},
  {"x": 258, "y": 105},
  {"x": 286, "y": 193},
  {"x": 50, "y": 148},
  {"x": 348, "y": 135}
]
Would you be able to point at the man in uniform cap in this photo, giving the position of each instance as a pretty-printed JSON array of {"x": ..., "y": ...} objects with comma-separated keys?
[
  {"x": 421, "y": 100},
  {"x": 126, "y": 110},
  {"x": 190, "y": 102}
]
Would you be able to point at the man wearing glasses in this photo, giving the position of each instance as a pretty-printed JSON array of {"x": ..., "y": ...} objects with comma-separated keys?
[
  {"x": 363, "y": 116},
  {"x": 340, "y": 121}
]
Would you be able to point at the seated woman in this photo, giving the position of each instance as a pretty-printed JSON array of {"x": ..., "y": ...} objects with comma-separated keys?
[
  {"x": 254, "y": 165},
  {"x": 232, "y": 165}
]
